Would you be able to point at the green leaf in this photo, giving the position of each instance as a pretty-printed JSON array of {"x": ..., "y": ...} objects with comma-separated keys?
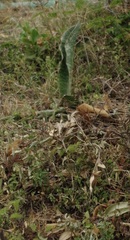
[
  {"x": 67, "y": 53},
  {"x": 34, "y": 35},
  {"x": 33, "y": 226},
  {"x": 16, "y": 216},
  {"x": 72, "y": 148},
  {"x": 117, "y": 209},
  {"x": 15, "y": 204},
  {"x": 3, "y": 211}
]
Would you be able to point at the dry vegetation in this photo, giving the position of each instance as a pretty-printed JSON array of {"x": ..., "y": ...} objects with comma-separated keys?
[{"x": 64, "y": 174}]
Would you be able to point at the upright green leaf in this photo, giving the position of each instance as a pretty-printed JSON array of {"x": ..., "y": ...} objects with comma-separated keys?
[{"x": 67, "y": 54}]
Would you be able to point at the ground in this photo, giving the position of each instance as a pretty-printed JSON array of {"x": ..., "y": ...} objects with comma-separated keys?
[{"x": 65, "y": 168}]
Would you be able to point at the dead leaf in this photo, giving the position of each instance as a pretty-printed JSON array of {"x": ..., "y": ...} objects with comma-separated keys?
[
  {"x": 125, "y": 224},
  {"x": 96, "y": 230},
  {"x": 86, "y": 108},
  {"x": 99, "y": 164},
  {"x": 65, "y": 235},
  {"x": 96, "y": 210},
  {"x": 40, "y": 41},
  {"x": 83, "y": 174},
  {"x": 96, "y": 173},
  {"x": 3, "y": 35},
  {"x": 67, "y": 126},
  {"x": 107, "y": 102},
  {"x": 13, "y": 147},
  {"x": 93, "y": 180}
]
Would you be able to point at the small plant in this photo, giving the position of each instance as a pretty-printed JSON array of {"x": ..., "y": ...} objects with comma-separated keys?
[
  {"x": 106, "y": 231},
  {"x": 67, "y": 53},
  {"x": 29, "y": 37},
  {"x": 10, "y": 212},
  {"x": 40, "y": 178},
  {"x": 32, "y": 42}
]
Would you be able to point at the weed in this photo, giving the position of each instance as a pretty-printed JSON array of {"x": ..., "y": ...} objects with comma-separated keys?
[{"x": 106, "y": 230}]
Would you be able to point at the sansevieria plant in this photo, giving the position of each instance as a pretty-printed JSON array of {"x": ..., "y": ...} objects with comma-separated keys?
[{"x": 68, "y": 40}]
